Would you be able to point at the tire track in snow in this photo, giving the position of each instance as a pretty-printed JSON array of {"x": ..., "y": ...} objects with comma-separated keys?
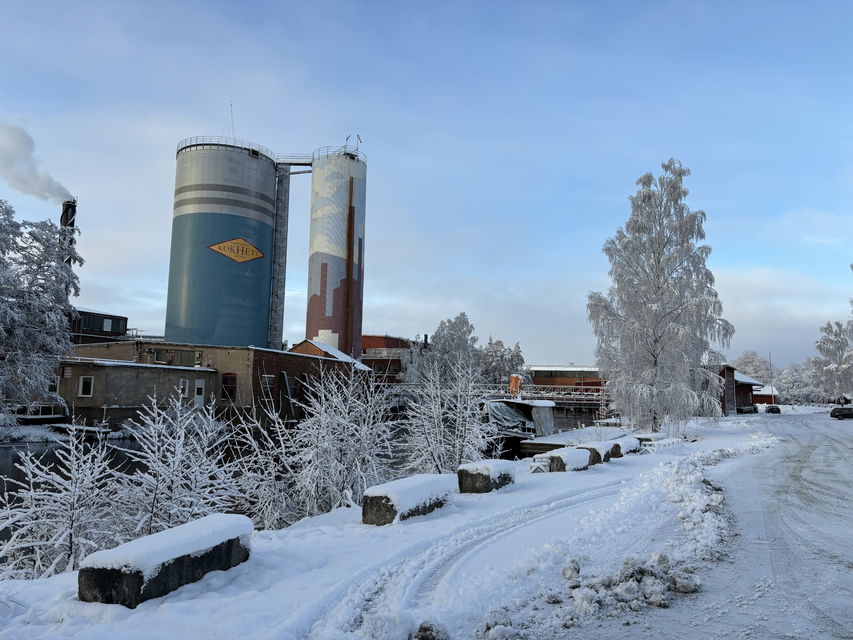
[
  {"x": 800, "y": 550},
  {"x": 405, "y": 580}
]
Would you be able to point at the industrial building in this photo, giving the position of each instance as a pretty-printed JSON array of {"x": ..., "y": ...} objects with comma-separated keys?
[
  {"x": 111, "y": 381},
  {"x": 229, "y": 244}
]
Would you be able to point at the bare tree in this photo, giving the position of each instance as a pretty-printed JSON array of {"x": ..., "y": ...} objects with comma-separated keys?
[{"x": 656, "y": 323}]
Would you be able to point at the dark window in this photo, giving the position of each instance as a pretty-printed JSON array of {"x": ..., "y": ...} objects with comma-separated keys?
[
  {"x": 85, "y": 386},
  {"x": 229, "y": 386}
]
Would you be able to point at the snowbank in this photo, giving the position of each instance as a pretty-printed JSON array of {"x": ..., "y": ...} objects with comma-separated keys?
[{"x": 149, "y": 553}]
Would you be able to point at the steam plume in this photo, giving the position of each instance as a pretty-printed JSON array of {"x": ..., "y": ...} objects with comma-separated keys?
[{"x": 19, "y": 166}]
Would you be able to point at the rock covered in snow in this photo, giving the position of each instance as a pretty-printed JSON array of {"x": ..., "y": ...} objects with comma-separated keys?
[
  {"x": 484, "y": 476},
  {"x": 405, "y": 498}
]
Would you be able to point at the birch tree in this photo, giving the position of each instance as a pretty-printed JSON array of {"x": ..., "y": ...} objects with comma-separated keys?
[
  {"x": 656, "y": 323},
  {"x": 835, "y": 345}
]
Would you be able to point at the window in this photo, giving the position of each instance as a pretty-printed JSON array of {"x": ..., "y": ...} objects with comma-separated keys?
[
  {"x": 108, "y": 324},
  {"x": 184, "y": 387},
  {"x": 229, "y": 386},
  {"x": 177, "y": 357},
  {"x": 267, "y": 385},
  {"x": 85, "y": 385},
  {"x": 53, "y": 385}
]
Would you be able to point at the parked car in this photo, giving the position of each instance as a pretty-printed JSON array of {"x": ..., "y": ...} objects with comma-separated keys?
[
  {"x": 841, "y": 413},
  {"x": 747, "y": 408},
  {"x": 772, "y": 408}
]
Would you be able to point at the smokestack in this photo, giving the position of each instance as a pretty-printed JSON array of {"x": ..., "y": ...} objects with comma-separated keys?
[
  {"x": 68, "y": 218},
  {"x": 69, "y": 213}
]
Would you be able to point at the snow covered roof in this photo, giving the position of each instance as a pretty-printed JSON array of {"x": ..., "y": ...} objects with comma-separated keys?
[
  {"x": 339, "y": 355},
  {"x": 103, "y": 362},
  {"x": 766, "y": 390},
  {"x": 559, "y": 367},
  {"x": 98, "y": 311},
  {"x": 745, "y": 379}
]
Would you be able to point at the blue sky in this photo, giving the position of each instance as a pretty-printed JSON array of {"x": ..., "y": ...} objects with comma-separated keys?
[{"x": 503, "y": 141}]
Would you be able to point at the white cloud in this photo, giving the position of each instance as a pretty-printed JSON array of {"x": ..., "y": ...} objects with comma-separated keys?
[{"x": 777, "y": 311}]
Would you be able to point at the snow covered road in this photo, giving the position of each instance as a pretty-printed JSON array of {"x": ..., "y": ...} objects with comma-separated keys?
[{"x": 788, "y": 574}]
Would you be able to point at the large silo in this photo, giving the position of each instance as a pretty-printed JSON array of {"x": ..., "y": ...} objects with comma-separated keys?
[
  {"x": 336, "y": 262},
  {"x": 224, "y": 243}
]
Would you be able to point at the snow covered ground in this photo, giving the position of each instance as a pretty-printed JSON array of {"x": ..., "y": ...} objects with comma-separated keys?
[{"x": 543, "y": 558}]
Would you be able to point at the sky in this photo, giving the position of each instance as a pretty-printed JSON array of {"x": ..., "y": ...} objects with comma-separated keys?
[{"x": 503, "y": 142}]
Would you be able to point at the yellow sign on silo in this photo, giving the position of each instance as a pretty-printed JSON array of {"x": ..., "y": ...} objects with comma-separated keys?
[{"x": 238, "y": 249}]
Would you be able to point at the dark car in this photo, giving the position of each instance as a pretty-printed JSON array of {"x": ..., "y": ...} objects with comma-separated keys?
[
  {"x": 749, "y": 408},
  {"x": 841, "y": 413},
  {"x": 772, "y": 408}
]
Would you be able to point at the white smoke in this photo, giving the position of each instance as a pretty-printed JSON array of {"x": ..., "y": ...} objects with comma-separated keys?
[{"x": 19, "y": 166}]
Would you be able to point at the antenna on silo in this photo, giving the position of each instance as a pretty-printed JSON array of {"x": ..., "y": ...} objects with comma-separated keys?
[
  {"x": 228, "y": 129},
  {"x": 358, "y": 141}
]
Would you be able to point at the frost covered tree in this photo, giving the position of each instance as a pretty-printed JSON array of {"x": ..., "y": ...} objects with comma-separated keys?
[
  {"x": 59, "y": 512},
  {"x": 656, "y": 323},
  {"x": 35, "y": 285},
  {"x": 265, "y": 475},
  {"x": 452, "y": 341},
  {"x": 836, "y": 348},
  {"x": 753, "y": 365},
  {"x": 343, "y": 446},
  {"x": 182, "y": 473},
  {"x": 801, "y": 384},
  {"x": 444, "y": 424},
  {"x": 500, "y": 362}
]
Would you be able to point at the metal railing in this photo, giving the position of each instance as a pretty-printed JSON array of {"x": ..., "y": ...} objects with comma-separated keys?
[
  {"x": 528, "y": 392},
  {"x": 278, "y": 158},
  {"x": 230, "y": 142},
  {"x": 342, "y": 150}
]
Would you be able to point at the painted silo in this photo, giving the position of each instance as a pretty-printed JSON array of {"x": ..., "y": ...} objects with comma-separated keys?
[
  {"x": 223, "y": 235},
  {"x": 336, "y": 261}
]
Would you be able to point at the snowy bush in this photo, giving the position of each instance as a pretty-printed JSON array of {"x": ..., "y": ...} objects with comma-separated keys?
[
  {"x": 343, "y": 445},
  {"x": 265, "y": 477},
  {"x": 182, "y": 472},
  {"x": 58, "y": 513},
  {"x": 444, "y": 424}
]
